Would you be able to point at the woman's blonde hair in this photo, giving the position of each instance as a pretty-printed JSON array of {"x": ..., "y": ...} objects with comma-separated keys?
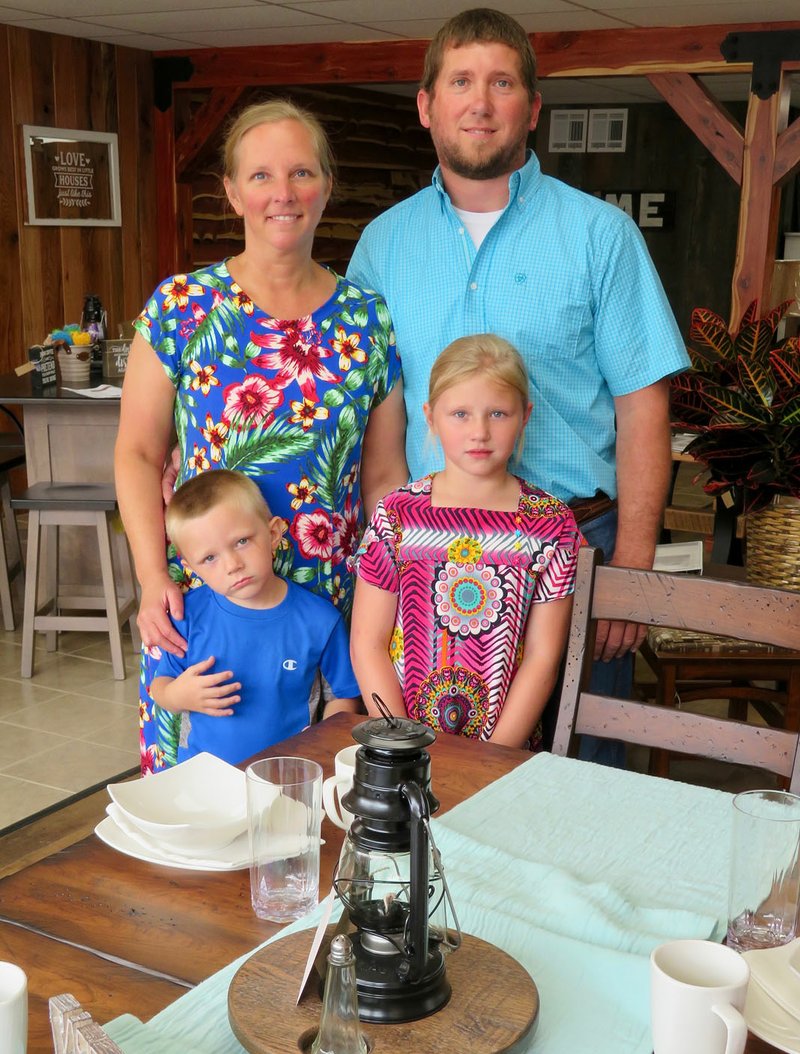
[
  {"x": 200, "y": 494},
  {"x": 484, "y": 353},
  {"x": 269, "y": 113}
]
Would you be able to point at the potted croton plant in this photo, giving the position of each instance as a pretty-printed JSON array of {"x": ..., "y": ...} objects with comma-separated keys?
[{"x": 742, "y": 398}]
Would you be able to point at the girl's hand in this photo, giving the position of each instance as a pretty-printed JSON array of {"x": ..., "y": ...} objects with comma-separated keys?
[
  {"x": 161, "y": 598},
  {"x": 206, "y": 693}
]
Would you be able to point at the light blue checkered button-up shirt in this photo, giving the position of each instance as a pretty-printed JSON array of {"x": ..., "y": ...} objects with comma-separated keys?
[{"x": 566, "y": 278}]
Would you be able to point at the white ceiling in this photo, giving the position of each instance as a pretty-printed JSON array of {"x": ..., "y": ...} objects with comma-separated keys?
[{"x": 159, "y": 25}]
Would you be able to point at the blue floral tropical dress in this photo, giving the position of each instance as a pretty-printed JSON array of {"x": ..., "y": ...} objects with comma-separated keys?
[{"x": 284, "y": 401}]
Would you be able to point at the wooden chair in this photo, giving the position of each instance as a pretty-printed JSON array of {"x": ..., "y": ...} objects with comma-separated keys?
[
  {"x": 733, "y": 609},
  {"x": 73, "y": 1030}
]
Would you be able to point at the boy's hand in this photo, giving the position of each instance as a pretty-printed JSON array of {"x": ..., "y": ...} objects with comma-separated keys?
[{"x": 206, "y": 693}]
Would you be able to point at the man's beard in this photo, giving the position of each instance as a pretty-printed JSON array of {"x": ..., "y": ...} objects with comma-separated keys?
[{"x": 502, "y": 163}]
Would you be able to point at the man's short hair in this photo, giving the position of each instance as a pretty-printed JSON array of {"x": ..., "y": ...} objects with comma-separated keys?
[
  {"x": 220, "y": 486},
  {"x": 480, "y": 25}
]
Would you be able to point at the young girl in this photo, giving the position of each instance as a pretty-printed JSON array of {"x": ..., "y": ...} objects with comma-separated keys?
[{"x": 465, "y": 577}]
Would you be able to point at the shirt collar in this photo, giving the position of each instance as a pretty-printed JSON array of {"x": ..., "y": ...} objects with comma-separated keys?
[{"x": 522, "y": 183}]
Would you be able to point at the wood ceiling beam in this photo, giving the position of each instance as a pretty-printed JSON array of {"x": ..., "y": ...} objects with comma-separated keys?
[
  {"x": 205, "y": 122},
  {"x": 589, "y": 53},
  {"x": 714, "y": 127}
]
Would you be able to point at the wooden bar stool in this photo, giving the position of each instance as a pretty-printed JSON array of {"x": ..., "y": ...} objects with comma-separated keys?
[
  {"x": 12, "y": 455},
  {"x": 54, "y": 505}
]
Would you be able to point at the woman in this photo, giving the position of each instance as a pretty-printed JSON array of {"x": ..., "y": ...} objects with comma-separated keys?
[{"x": 268, "y": 363}]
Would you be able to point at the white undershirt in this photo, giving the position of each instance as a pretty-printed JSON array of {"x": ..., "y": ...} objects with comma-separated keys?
[{"x": 478, "y": 224}]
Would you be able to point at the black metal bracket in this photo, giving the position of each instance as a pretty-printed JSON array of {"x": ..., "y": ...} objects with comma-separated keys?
[
  {"x": 766, "y": 49},
  {"x": 166, "y": 71}
]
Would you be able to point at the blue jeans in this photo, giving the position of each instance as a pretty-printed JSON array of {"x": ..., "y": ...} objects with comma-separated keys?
[{"x": 608, "y": 678}]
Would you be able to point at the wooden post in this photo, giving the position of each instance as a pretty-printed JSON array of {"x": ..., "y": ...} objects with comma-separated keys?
[
  {"x": 166, "y": 192},
  {"x": 760, "y": 203}
]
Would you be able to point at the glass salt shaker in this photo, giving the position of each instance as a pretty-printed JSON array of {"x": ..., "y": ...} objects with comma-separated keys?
[{"x": 339, "y": 1029}]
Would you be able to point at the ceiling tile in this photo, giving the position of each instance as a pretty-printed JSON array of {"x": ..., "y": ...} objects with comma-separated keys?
[
  {"x": 92, "y": 8},
  {"x": 411, "y": 10},
  {"x": 340, "y": 31},
  {"x": 67, "y": 27},
  {"x": 241, "y": 17},
  {"x": 720, "y": 12}
]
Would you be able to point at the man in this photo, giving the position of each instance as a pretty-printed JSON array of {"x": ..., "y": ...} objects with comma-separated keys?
[{"x": 495, "y": 246}]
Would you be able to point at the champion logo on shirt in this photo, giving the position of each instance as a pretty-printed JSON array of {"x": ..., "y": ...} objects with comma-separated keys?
[{"x": 289, "y": 664}]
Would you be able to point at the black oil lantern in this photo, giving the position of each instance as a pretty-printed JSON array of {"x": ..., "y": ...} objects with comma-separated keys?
[{"x": 390, "y": 877}]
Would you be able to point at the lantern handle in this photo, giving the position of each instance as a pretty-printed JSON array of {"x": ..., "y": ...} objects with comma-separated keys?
[
  {"x": 386, "y": 713},
  {"x": 417, "y": 948}
]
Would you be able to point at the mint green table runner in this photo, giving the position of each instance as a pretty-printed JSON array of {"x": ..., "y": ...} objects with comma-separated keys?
[{"x": 578, "y": 871}]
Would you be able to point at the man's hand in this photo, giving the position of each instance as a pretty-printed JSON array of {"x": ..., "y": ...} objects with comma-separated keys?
[
  {"x": 615, "y": 639},
  {"x": 205, "y": 693}
]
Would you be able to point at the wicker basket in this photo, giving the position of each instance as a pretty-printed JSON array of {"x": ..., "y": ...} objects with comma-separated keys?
[{"x": 773, "y": 544}]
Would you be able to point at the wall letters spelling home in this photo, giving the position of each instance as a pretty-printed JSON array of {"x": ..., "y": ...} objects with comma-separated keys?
[{"x": 649, "y": 210}]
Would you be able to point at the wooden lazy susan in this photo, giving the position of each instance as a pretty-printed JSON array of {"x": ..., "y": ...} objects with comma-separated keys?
[{"x": 493, "y": 1008}]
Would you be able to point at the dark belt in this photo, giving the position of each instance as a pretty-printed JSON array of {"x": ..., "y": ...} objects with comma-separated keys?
[{"x": 585, "y": 509}]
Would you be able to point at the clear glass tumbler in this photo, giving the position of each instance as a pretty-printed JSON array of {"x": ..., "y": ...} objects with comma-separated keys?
[
  {"x": 765, "y": 870},
  {"x": 284, "y": 811}
]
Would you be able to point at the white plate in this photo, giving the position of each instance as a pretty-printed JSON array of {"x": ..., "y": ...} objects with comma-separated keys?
[
  {"x": 769, "y": 1022},
  {"x": 196, "y": 807},
  {"x": 775, "y": 970},
  {"x": 233, "y": 857}
]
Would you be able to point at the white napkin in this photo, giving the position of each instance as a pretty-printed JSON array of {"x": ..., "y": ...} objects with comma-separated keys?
[{"x": 777, "y": 971}]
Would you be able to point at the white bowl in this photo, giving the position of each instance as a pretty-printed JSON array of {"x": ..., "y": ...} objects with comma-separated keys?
[{"x": 195, "y": 807}]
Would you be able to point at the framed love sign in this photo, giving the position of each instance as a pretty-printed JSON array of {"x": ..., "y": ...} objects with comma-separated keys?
[{"x": 71, "y": 177}]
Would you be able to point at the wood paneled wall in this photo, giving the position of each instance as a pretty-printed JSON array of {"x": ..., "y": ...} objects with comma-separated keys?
[
  {"x": 694, "y": 256},
  {"x": 64, "y": 82},
  {"x": 382, "y": 153}
]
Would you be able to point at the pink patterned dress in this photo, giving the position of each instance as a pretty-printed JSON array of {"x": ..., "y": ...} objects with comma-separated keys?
[{"x": 465, "y": 581}]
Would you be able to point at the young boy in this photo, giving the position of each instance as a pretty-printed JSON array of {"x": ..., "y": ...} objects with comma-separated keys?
[{"x": 273, "y": 636}]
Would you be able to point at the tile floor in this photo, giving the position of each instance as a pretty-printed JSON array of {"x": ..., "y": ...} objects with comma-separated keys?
[{"x": 70, "y": 727}]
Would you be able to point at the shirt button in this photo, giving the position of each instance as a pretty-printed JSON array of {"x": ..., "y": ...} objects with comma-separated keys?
[
  {"x": 473, "y": 285},
  {"x": 460, "y": 230}
]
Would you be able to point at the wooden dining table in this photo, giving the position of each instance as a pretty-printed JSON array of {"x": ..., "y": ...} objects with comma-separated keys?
[{"x": 123, "y": 935}]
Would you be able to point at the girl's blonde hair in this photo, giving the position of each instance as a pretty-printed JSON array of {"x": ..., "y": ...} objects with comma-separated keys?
[
  {"x": 483, "y": 353},
  {"x": 201, "y": 493},
  {"x": 270, "y": 112}
]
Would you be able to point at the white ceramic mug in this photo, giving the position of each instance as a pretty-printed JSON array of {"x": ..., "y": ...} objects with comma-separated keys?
[
  {"x": 335, "y": 787},
  {"x": 13, "y": 1009},
  {"x": 697, "y": 992}
]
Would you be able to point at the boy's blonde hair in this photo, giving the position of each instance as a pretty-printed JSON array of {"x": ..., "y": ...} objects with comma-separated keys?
[
  {"x": 220, "y": 486},
  {"x": 483, "y": 353},
  {"x": 271, "y": 112}
]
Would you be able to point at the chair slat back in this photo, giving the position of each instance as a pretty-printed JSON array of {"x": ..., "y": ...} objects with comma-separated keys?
[
  {"x": 735, "y": 609},
  {"x": 732, "y": 609}
]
